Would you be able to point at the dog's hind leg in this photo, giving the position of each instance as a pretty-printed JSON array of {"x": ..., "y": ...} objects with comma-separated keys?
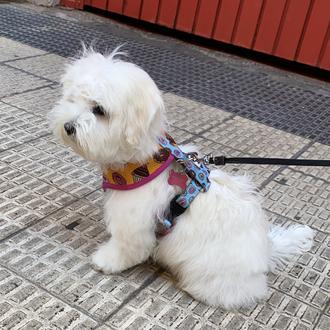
[{"x": 229, "y": 292}]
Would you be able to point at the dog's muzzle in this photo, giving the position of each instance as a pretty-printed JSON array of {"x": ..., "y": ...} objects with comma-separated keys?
[{"x": 69, "y": 128}]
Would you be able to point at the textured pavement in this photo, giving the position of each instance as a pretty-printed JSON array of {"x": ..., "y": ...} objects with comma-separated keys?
[{"x": 51, "y": 202}]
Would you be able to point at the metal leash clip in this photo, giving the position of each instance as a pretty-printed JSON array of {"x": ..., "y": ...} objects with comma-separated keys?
[
  {"x": 192, "y": 156},
  {"x": 206, "y": 158}
]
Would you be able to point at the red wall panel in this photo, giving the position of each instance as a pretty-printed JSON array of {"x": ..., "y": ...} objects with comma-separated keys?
[
  {"x": 292, "y": 28},
  {"x": 226, "y": 21},
  {"x": 206, "y": 17},
  {"x": 246, "y": 23},
  {"x": 297, "y": 30},
  {"x": 186, "y": 15},
  {"x": 324, "y": 60},
  {"x": 167, "y": 12},
  {"x": 149, "y": 10},
  {"x": 116, "y": 6},
  {"x": 101, "y": 4},
  {"x": 315, "y": 33},
  {"x": 132, "y": 8},
  {"x": 78, "y": 4},
  {"x": 269, "y": 25}
]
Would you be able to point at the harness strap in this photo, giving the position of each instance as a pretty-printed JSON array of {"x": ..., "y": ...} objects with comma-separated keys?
[
  {"x": 194, "y": 168},
  {"x": 196, "y": 171}
]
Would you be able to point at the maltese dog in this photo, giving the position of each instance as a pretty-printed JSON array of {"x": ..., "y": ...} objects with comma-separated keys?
[{"x": 221, "y": 248}]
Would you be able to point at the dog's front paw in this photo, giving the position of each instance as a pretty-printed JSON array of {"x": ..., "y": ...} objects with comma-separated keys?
[
  {"x": 110, "y": 258},
  {"x": 101, "y": 260}
]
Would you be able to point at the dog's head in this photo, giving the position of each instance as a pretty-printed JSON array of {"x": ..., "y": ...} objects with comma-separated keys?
[{"x": 111, "y": 111}]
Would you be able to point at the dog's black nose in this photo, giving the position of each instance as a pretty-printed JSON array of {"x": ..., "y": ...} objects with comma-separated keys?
[{"x": 69, "y": 128}]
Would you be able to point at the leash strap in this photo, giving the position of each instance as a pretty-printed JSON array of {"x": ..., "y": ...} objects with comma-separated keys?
[{"x": 222, "y": 160}]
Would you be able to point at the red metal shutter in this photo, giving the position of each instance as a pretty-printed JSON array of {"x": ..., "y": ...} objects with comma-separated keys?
[
  {"x": 206, "y": 18},
  {"x": 226, "y": 20},
  {"x": 132, "y": 8},
  {"x": 297, "y": 30},
  {"x": 167, "y": 12},
  {"x": 269, "y": 25},
  {"x": 315, "y": 33},
  {"x": 324, "y": 60},
  {"x": 78, "y": 4},
  {"x": 246, "y": 23},
  {"x": 116, "y": 6},
  {"x": 149, "y": 10},
  {"x": 101, "y": 4},
  {"x": 186, "y": 15},
  {"x": 291, "y": 29}
]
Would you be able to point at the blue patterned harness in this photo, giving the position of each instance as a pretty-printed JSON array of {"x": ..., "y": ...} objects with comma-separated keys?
[{"x": 196, "y": 170}]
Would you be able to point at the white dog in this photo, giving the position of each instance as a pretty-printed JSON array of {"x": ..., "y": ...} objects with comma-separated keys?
[{"x": 221, "y": 248}]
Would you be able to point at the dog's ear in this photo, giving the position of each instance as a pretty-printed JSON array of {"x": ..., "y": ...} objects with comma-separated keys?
[{"x": 145, "y": 120}]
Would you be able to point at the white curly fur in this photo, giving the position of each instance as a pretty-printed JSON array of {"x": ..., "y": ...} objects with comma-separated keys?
[{"x": 221, "y": 248}]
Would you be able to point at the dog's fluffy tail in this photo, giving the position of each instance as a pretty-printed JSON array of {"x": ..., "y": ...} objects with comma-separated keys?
[{"x": 287, "y": 243}]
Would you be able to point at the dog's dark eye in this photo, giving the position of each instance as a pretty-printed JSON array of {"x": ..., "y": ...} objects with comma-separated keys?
[{"x": 98, "y": 110}]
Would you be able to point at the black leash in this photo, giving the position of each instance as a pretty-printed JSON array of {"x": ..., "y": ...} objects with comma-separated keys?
[{"x": 222, "y": 160}]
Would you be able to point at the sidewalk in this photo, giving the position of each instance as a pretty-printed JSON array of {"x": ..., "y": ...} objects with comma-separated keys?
[{"x": 51, "y": 202}]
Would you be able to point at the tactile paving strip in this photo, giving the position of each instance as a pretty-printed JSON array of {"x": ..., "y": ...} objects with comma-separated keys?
[
  {"x": 316, "y": 151},
  {"x": 14, "y": 81},
  {"x": 54, "y": 256},
  {"x": 25, "y": 199},
  {"x": 39, "y": 102},
  {"x": 18, "y": 126},
  {"x": 300, "y": 197},
  {"x": 255, "y": 139},
  {"x": 45, "y": 159},
  {"x": 26, "y": 306},
  {"x": 249, "y": 93},
  {"x": 49, "y": 66},
  {"x": 192, "y": 116},
  {"x": 11, "y": 50},
  {"x": 258, "y": 174},
  {"x": 304, "y": 284}
]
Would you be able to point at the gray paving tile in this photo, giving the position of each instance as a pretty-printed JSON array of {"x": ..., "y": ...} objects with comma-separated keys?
[
  {"x": 56, "y": 257},
  {"x": 301, "y": 198},
  {"x": 316, "y": 151},
  {"x": 103, "y": 327},
  {"x": 11, "y": 50},
  {"x": 257, "y": 173},
  {"x": 57, "y": 165},
  {"x": 25, "y": 199},
  {"x": 181, "y": 136},
  {"x": 24, "y": 305},
  {"x": 15, "y": 81},
  {"x": 162, "y": 305},
  {"x": 190, "y": 115},
  {"x": 305, "y": 278},
  {"x": 38, "y": 102},
  {"x": 49, "y": 66},
  {"x": 18, "y": 126},
  {"x": 256, "y": 139},
  {"x": 324, "y": 323}
]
